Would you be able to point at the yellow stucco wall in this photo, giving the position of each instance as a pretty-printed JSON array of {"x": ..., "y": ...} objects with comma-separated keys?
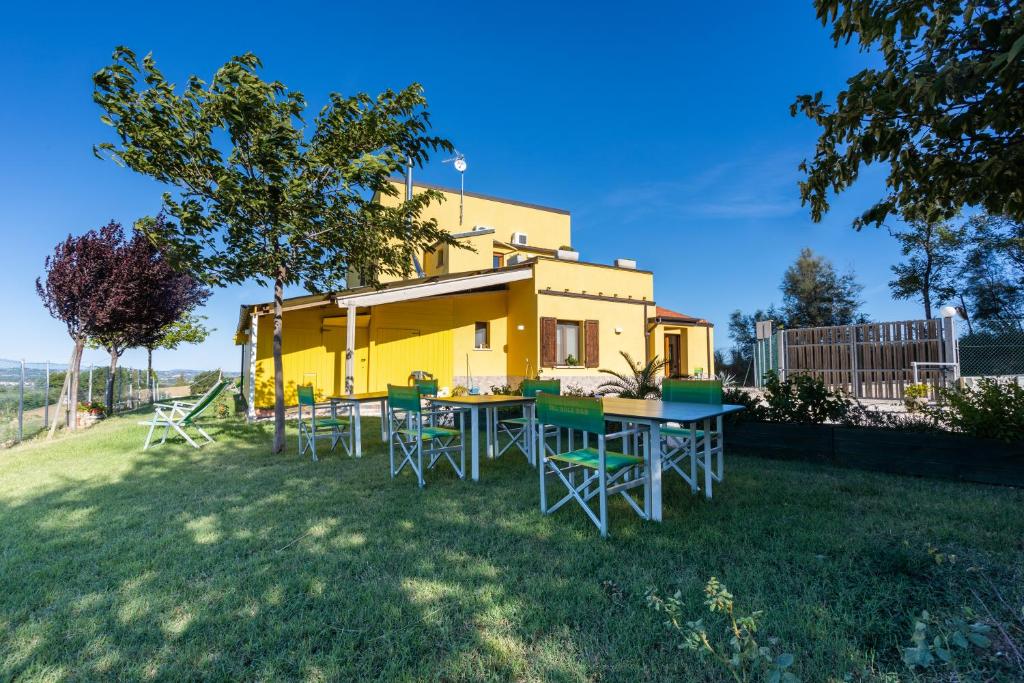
[
  {"x": 593, "y": 279},
  {"x": 630, "y": 318},
  {"x": 696, "y": 348}
]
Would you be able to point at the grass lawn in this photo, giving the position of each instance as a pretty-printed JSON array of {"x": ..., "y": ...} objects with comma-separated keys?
[{"x": 232, "y": 563}]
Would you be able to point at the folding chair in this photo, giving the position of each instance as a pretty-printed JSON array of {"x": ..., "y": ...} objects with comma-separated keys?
[
  {"x": 182, "y": 414},
  {"x": 603, "y": 472},
  {"x": 415, "y": 434},
  {"x": 517, "y": 429},
  {"x": 427, "y": 387},
  {"x": 338, "y": 429},
  {"x": 683, "y": 442}
]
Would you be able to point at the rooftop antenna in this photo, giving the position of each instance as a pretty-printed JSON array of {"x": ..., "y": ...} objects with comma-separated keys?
[{"x": 459, "y": 161}]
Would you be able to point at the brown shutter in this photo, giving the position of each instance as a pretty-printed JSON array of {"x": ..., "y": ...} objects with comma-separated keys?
[
  {"x": 548, "y": 342},
  {"x": 591, "y": 344}
]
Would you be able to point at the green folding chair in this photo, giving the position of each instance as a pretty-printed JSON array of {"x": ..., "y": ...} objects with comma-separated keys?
[
  {"x": 681, "y": 443},
  {"x": 602, "y": 472},
  {"x": 415, "y": 434},
  {"x": 427, "y": 387},
  {"x": 337, "y": 429},
  {"x": 517, "y": 429},
  {"x": 181, "y": 415}
]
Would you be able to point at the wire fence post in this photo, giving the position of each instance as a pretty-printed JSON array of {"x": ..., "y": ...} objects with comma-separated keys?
[
  {"x": 46, "y": 398},
  {"x": 21, "y": 402}
]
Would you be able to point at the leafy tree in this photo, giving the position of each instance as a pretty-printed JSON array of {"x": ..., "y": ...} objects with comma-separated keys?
[
  {"x": 640, "y": 382},
  {"x": 814, "y": 295},
  {"x": 743, "y": 329},
  {"x": 144, "y": 295},
  {"x": 188, "y": 329},
  {"x": 255, "y": 196},
  {"x": 76, "y": 286},
  {"x": 930, "y": 270},
  {"x": 946, "y": 114},
  {"x": 993, "y": 272}
]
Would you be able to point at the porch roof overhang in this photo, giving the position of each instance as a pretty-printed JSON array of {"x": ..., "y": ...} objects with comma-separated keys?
[
  {"x": 392, "y": 292},
  {"x": 422, "y": 289}
]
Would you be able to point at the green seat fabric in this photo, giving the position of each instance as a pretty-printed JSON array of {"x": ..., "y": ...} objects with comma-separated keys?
[
  {"x": 692, "y": 391},
  {"x": 589, "y": 457},
  {"x": 431, "y": 432},
  {"x": 331, "y": 422},
  {"x": 517, "y": 420},
  {"x": 680, "y": 431}
]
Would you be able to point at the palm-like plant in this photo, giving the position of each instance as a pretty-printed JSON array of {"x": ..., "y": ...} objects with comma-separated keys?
[{"x": 642, "y": 382}]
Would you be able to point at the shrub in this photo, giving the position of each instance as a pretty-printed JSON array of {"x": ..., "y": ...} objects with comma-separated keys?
[
  {"x": 991, "y": 410},
  {"x": 803, "y": 399},
  {"x": 202, "y": 382},
  {"x": 507, "y": 390}
]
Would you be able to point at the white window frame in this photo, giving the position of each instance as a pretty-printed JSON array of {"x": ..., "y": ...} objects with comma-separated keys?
[
  {"x": 562, "y": 353},
  {"x": 486, "y": 327}
]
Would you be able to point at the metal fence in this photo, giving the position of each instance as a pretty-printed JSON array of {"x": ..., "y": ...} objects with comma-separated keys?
[
  {"x": 989, "y": 353},
  {"x": 29, "y": 394}
]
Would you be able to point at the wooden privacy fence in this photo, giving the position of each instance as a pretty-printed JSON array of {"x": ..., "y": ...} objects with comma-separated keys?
[{"x": 871, "y": 360}]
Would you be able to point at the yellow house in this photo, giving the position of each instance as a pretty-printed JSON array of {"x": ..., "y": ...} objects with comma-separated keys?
[{"x": 518, "y": 303}]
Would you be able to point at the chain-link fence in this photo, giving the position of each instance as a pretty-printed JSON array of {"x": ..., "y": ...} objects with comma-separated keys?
[
  {"x": 993, "y": 353},
  {"x": 29, "y": 394}
]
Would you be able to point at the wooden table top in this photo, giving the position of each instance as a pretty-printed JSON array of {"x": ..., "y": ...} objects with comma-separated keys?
[
  {"x": 360, "y": 398},
  {"x": 479, "y": 400},
  {"x": 661, "y": 411}
]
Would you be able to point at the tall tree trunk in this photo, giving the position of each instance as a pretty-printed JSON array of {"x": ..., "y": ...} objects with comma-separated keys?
[
  {"x": 967, "y": 317},
  {"x": 110, "y": 382},
  {"x": 278, "y": 364},
  {"x": 74, "y": 369},
  {"x": 149, "y": 372},
  {"x": 927, "y": 302}
]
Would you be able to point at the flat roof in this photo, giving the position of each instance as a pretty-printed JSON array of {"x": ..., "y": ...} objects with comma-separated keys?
[{"x": 480, "y": 195}]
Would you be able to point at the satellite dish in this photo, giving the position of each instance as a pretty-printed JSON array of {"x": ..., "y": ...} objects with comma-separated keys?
[{"x": 460, "y": 164}]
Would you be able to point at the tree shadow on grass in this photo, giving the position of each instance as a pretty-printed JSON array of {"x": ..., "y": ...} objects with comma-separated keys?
[{"x": 232, "y": 562}]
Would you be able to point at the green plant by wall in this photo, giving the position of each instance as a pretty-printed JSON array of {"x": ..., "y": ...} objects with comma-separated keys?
[
  {"x": 934, "y": 642},
  {"x": 915, "y": 396},
  {"x": 803, "y": 399},
  {"x": 990, "y": 410},
  {"x": 730, "y": 641}
]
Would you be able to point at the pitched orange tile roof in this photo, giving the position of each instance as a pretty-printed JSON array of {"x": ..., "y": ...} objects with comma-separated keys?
[{"x": 663, "y": 313}]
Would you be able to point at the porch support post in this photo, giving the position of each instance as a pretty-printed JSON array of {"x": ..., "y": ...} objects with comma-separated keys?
[
  {"x": 253, "y": 343},
  {"x": 350, "y": 349}
]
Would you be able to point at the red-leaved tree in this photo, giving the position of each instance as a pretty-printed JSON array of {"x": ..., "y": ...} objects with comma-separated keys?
[
  {"x": 78, "y": 274},
  {"x": 145, "y": 295}
]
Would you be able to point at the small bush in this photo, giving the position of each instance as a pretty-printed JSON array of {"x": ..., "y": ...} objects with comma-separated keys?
[
  {"x": 803, "y": 399},
  {"x": 991, "y": 410}
]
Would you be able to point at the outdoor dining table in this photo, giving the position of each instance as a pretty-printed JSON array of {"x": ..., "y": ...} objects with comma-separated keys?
[
  {"x": 655, "y": 414},
  {"x": 356, "y": 401},
  {"x": 652, "y": 414},
  {"x": 490, "y": 404}
]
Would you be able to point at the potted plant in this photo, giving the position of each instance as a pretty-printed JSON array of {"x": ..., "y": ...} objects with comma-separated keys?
[
  {"x": 571, "y": 361},
  {"x": 915, "y": 396},
  {"x": 567, "y": 253},
  {"x": 90, "y": 412}
]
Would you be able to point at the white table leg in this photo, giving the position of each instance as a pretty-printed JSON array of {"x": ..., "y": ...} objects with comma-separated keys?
[
  {"x": 655, "y": 471},
  {"x": 489, "y": 416},
  {"x": 383, "y": 419},
  {"x": 531, "y": 427},
  {"x": 474, "y": 441},
  {"x": 357, "y": 416},
  {"x": 707, "y": 458}
]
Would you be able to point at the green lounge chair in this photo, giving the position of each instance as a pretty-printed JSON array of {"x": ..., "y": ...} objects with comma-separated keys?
[
  {"x": 517, "y": 429},
  {"x": 603, "y": 472},
  {"x": 181, "y": 414},
  {"x": 685, "y": 442},
  {"x": 414, "y": 432},
  {"x": 338, "y": 429}
]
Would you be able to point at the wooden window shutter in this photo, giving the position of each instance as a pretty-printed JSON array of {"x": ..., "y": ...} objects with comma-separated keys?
[
  {"x": 591, "y": 344},
  {"x": 548, "y": 342}
]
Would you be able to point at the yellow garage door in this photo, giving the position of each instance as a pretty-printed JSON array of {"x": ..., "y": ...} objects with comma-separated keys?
[{"x": 398, "y": 352}]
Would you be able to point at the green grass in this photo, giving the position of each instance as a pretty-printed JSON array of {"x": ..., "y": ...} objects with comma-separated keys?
[{"x": 232, "y": 563}]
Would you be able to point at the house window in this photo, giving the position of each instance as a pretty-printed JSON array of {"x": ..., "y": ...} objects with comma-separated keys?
[
  {"x": 482, "y": 338},
  {"x": 440, "y": 257},
  {"x": 567, "y": 349},
  {"x": 499, "y": 261}
]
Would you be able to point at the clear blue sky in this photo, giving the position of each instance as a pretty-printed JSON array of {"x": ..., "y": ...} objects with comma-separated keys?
[{"x": 664, "y": 128}]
